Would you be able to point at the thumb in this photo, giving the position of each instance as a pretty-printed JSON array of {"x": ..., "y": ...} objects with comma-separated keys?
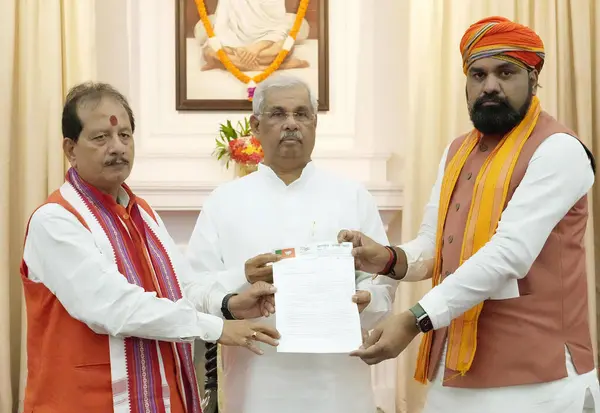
[
  {"x": 345, "y": 236},
  {"x": 365, "y": 334},
  {"x": 373, "y": 338},
  {"x": 361, "y": 297}
]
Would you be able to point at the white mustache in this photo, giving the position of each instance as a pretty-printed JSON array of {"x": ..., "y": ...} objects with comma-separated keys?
[{"x": 291, "y": 135}]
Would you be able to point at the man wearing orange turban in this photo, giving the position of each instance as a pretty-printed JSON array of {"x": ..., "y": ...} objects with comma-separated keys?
[{"x": 505, "y": 326}]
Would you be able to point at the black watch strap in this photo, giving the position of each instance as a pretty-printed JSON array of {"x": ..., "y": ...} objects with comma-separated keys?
[
  {"x": 225, "y": 307},
  {"x": 423, "y": 321}
]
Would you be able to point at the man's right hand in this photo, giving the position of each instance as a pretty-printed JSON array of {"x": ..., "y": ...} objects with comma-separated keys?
[
  {"x": 244, "y": 333},
  {"x": 258, "y": 270},
  {"x": 369, "y": 256}
]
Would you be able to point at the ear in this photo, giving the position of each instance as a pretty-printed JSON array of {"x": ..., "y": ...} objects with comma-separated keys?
[
  {"x": 69, "y": 150},
  {"x": 254, "y": 125},
  {"x": 533, "y": 77}
]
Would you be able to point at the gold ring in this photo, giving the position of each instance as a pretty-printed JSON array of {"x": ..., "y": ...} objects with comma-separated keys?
[{"x": 254, "y": 334}]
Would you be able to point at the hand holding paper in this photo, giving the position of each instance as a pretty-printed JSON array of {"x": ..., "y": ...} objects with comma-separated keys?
[{"x": 315, "y": 311}]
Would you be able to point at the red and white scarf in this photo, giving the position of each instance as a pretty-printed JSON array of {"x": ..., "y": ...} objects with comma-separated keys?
[{"x": 139, "y": 383}]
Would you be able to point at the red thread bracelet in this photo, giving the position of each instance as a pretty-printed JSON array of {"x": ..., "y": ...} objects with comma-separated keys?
[{"x": 386, "y": 269}]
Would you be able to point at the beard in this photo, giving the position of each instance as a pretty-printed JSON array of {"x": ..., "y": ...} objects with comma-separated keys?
[{"x": 497, "y": 119}]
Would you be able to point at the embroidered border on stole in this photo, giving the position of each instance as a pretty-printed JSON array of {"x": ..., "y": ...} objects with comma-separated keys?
[
  {"x": 136, "y": 364},
  {"x": 169, "y": 287}
]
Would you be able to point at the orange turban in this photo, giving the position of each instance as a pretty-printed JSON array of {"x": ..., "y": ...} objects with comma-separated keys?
[{"x": 503, "y": 39}]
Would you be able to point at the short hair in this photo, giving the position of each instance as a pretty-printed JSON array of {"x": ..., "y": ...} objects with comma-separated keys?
[
  {"x": 84, "y": 93},
  {"x": 279, "y": 82}
]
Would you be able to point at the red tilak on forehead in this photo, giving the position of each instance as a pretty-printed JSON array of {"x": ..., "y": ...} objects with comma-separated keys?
[{"x": 114, "y": 121}]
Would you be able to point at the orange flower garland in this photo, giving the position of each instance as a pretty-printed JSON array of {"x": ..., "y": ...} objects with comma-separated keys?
[{"x": 231, "y": 68}]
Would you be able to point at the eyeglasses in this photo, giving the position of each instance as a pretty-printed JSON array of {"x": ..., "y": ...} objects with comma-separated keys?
[{"x": 281, "y": 116}]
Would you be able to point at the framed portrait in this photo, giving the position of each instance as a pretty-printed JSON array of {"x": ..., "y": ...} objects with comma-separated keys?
[{"x": 251, "y": 33}]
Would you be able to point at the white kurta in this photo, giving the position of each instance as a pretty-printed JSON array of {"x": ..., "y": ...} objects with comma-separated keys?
[
  {"x": 558, "y": 175},
  {"x": 243, "y": 22},
  {"x": 258, "y": 214},
  {"x": 63, "y": 255}
]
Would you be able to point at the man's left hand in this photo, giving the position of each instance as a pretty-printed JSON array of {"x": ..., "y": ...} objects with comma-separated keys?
[
  {"x": 362, "y": 299},
  {"x": 388, "y": 339},
  {"x": 256, "y": 301}
]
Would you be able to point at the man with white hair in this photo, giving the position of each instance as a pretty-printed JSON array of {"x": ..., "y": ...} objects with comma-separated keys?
[{"x": 288, "y": 202}]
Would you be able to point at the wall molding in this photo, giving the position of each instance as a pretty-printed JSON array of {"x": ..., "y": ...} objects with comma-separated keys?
[
  {"x": 164, "y": 196},
  {"x": 186, "y": 179}
]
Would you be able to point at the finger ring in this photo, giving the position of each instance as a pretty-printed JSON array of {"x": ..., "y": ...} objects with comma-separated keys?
[{"x": 254, "y": 334}]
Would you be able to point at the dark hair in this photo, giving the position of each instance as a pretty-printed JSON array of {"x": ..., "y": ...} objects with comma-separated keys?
[{"x": 84, "y": 93}]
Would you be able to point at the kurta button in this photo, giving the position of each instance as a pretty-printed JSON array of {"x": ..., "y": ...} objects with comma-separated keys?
[
  {"x": 450, "y": 239},
  {"x": 126, "y": 216},
  {"x": 447, "y": 273},
  {"x": 483, "y": 147},
  {"x": 469, "y": 175},
  {"x": 457, "y": 206}
]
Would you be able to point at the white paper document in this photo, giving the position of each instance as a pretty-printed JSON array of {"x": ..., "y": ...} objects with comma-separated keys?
[{"x": 313, "y": 302}]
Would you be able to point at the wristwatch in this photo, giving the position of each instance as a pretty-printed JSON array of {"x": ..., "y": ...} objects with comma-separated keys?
[
  {"x": 423, "y": 321},
  {"x": 225, "y": 307}
]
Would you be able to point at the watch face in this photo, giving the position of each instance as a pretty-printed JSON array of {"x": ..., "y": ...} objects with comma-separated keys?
[{"x": 425, "y": 325}]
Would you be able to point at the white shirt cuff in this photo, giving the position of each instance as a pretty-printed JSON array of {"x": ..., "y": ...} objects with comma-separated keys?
[
  {"x": 215, "y": 301},
  {"x": 418, "y": 261},
  {"x": 436, "y": 306},
  {"x": 212, "y": 329}
]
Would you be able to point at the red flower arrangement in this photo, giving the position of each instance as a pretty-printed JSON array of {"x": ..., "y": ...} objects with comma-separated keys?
[
  {"x": 238, "y": 145},
  {"x": 245, "y": 150}
]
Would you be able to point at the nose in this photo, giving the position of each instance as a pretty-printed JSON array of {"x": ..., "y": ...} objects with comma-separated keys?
[
  {"x": 117, "y": 147},
  {"x": 290, "y": 123},
  {"x": 491, "y": 85}
]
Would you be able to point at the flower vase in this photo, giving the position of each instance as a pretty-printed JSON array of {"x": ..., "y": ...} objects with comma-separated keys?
[{"x": 244, "y": 169}]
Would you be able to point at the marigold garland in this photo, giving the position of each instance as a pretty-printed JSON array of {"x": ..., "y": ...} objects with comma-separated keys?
[{"x": 233, "y": 69}]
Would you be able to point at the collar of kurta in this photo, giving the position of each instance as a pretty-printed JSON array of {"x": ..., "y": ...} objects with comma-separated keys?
[{"x": 307, "y": 173}]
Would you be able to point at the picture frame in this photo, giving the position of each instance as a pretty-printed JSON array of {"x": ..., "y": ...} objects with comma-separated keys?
[{"x": 203, "y": 83}]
